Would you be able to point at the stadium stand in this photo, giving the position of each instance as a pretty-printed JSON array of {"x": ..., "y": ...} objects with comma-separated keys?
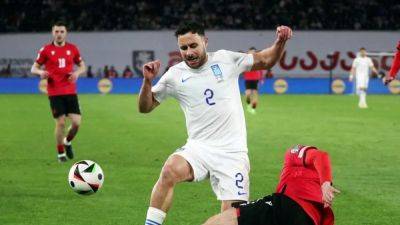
[{"x": 91, "y": 15}]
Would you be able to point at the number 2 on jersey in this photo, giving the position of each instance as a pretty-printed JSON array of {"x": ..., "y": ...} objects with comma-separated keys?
[
  {"x": 61, "y": 63},
  {"x": 209, "y": 95}
]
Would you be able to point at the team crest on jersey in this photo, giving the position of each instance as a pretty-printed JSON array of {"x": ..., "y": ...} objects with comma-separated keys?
[
  {"x": 68, "y": 52},
  {"x": 217, "y": 72},
  {"x": 300, "y": 150},
  {"x": 53, "y": 52},
  {"x": 295, "y": 149}
]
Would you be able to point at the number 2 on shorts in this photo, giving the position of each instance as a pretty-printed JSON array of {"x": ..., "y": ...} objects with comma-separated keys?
[
  {"x": 239, "y": 180},
  {"x": 239, "y": 183}
]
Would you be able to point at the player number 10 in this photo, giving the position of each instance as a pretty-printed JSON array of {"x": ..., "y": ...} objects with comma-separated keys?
[{"x": 61, "y": 63}]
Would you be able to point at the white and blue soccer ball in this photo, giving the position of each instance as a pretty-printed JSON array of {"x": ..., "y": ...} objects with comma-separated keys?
[{"x": 86, "y": 177}]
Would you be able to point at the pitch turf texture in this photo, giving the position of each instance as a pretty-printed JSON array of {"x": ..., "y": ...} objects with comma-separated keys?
[{"x": 131, "y": 148}]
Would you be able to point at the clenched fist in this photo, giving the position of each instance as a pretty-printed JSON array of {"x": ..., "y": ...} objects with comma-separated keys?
[
  {"x": 283, "y": 33},
  {"x": 151, "y": 69}
]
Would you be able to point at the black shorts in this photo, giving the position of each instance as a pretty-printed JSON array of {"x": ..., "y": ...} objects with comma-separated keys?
[
  {"x": 251, "y": 84},
  {"x": 64, "y": 105},
  {"x": 276, "y": 209}
]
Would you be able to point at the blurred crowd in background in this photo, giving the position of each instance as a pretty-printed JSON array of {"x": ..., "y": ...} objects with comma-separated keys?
[
  {"x": 97, "y": 15},
  {"x": 110, "y": 72},
  {"x": 107, "y": 15}
]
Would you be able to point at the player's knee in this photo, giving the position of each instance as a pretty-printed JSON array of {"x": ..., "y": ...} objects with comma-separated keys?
[
  {"x": 61, "y": 123},
  {"x": 169, "y": 175},
  {"x": 210, "y": 221},
  {"x": 76, "y": 123},
  {"x": 215, "y": 220}
]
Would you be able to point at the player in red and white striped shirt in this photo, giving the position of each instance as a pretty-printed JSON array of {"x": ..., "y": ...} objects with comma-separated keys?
[{"x": 59, "y": 58}]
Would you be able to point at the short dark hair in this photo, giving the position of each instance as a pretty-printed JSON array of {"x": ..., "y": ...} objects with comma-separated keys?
[
  {"x": 59, "y": 24},
  {"x": 362, "y": 48},
  {"x": 190, "y": 26},
  {"x": 253, "y": 48}
]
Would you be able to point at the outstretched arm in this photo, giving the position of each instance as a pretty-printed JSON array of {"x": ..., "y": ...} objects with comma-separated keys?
[
  {"x": 321, "y": 162},
  {"x": 146, "y": 98},
  {"x": 268, "y": 57}
]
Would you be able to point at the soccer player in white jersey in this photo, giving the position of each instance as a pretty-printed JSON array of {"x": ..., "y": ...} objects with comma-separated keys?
[
  {"x": 360, "y": 69},
  {"x": 206, "y": 86}
]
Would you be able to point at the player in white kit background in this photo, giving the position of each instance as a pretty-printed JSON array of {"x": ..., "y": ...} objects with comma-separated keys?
[
  {"x": 206, "y": 86},
  {"x": 360, "y": 69}
]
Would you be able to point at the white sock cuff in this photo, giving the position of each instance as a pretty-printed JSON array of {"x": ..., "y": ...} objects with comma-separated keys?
[
  {"x": 156, "y": 215},
  {"x": 66, "y": 142}
]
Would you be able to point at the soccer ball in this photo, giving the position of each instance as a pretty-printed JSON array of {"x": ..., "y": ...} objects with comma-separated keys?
[{"x": 86, "y": 177}]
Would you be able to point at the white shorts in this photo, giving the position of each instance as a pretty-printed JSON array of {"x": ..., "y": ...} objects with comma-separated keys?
[
  {"x": 362, "y": 81},
  {"x": 228, "y": 171}
]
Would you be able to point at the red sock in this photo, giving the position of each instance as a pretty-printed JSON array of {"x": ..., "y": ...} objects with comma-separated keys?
[
  {"x": 70, "y": 137},
  {"x": 60, "y": 149}
]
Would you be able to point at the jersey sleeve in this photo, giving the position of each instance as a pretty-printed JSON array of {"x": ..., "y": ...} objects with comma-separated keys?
[
  {"x": 320, "y": 161},
  {"x": 41, "y": 56},
  {"x": 243, "y": 61},
  {"x": 77, "y": 56},
  {"x": 163, "y": 88},
  {"x": 396, "y": 63},
  {"x": 310, "y": 157}
]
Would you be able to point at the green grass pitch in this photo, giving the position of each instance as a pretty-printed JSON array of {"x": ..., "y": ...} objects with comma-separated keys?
[{"x": 131, "y": 148}]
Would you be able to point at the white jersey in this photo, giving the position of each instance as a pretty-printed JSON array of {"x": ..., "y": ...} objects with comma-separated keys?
[
  {"x": 210, "y": 99},
  {"x": 362, "y": 65}
]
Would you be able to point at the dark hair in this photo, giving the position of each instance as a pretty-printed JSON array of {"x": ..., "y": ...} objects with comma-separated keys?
[
  {"x": 59, "y": 24},
  {"x": 190, "y": 26},
  {"x": 362, "y": 48},
  {"x": 253, "y": 48}
]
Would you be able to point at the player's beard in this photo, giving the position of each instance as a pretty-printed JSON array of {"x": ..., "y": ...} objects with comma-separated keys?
[{"x": 197, "y": 62}]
